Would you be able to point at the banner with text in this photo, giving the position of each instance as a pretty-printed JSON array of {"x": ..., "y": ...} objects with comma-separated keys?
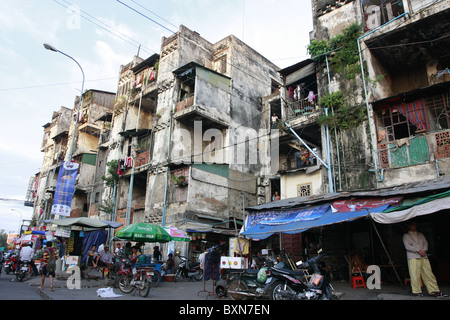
[{"x": 65, "y": 187}]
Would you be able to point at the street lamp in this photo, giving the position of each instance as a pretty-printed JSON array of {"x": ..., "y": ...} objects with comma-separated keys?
[{"x": 69, "y": 155}]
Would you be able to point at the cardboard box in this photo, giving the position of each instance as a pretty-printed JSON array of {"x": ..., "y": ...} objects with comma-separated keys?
[{"x": 233, "y": 263}]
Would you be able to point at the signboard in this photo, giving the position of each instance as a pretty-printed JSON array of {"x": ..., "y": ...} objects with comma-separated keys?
[
  {"x": 11, "y": 237},
  {"x": 65, "y": 187},
  {"x": 280, "y": 217},
  {"x": 361, "y": 204},
  {"x": 62, "y": 232}
]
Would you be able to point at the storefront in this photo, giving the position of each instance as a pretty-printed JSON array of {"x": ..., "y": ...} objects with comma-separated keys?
[{"x": 370, "y": 224}]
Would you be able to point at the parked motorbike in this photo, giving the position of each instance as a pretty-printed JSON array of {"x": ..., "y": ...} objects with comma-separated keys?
[
  {"x": 24, "y": 271},
  {"x": 243, "y": 284},
  {"x": 187, "y": 269},
  {"x": 247, "y": 283},
  {"x": 2, "y": 260},
  {"x": 311, "y": 282},
  {"x": 11, "y": 263},
  {"x": 130, "y": 278}
]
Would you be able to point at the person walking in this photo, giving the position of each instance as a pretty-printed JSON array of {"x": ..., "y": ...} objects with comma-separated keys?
[
  {"x": 419, "y": 267},
  {"x": 49, "y": 259}
]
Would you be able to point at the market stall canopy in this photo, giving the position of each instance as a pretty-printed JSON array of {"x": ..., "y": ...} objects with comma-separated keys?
[
  {"x": 144, "y": 232},
  {"x": 177, "y": 234},
  {"x": 84, "y": 222},
  {"x": 419, "y": 207},
  {"x": 302, "y": 219}
]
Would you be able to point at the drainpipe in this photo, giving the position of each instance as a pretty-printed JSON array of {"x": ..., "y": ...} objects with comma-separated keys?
[
  {"x": 330, "y": 177},
  {"x": 368, "y": 106},
  {"x": 130, "y": 190},
  {"x": 167, "y": 173},
  {"x": 335, "y": 132}
]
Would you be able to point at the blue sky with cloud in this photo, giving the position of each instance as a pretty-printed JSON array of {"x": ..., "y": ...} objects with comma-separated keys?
[{"x": 102, "y": 35}]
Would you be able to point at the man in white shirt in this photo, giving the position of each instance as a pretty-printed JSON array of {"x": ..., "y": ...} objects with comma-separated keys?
[
  {"x": 419, "y": 267},
  {"x": 26, "y": 254},
  {"x": 106, "y": 259}
]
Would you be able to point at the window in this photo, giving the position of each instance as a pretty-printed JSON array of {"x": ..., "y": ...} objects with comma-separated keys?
[
  {"x": 401, "y": 120},
  {"x": 439, "y": 112},
  {"x": 143, "y": 143},
  {"x": 304, "y": 190}
]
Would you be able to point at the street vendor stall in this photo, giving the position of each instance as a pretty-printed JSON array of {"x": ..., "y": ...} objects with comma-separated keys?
[
  {"x": 84, "y": 232},
  {"x": 153, "y": 233}
]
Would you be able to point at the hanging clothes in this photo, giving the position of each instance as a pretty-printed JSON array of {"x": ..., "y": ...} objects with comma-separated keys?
[
  {"x": 212, "y": 265},
  {"x": 311, "y": 96},
  {"x": 120, "y": 168},
  {"x": 291, "y": 93},
  {"x": 152, "y": 76},
  {"x": 241, "y": 246},
  {"x": 128, "y": 162}
]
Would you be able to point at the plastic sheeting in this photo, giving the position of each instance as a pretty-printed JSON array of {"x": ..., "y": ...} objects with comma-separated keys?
[
  {"x": 261, "y": 231},
  {"x": 92, "y": 238},
  {"x": 412, "y": 212}
]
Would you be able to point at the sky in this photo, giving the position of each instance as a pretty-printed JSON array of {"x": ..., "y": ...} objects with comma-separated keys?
[{"x": 102, "y": 35}]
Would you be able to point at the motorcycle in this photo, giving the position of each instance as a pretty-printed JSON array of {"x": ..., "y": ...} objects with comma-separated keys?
[
  {"x": 10, "y": 263},
  {"x": 291, "y": 284},
  {"x": 24, "y": 271},
  {"x": 130, "y": 278},
  {"x": 188, "y": 270},
  {"x": 242, "y": 284}
]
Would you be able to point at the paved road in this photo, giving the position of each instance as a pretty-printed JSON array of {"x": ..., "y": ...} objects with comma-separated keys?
[{"x": 10, "y": 289}]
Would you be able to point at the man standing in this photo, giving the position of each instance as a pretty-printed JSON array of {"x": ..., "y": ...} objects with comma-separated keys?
[{"x": 418, "y": 264}]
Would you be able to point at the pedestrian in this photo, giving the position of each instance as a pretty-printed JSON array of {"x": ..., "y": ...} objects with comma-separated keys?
[
  {"x": 127, "y": 251},
  {"x": 49, "y": 259},
  {"x": 418, "y": 264},
  {"x": 156, "y": 254},
  {"x": 118, "y": 250},
  {"x": 61, "y": 248}
]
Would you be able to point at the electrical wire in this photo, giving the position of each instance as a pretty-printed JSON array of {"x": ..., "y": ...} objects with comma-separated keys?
[{"x": 106, "y": 27}]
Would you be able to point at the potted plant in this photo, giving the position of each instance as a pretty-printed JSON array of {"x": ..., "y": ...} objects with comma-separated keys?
[{"x": 180, "y": 181}]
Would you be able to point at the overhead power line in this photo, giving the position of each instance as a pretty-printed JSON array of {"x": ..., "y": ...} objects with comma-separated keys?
[
  {"x": 103, "y": 25},
  {"x": 140, "y": 13}
]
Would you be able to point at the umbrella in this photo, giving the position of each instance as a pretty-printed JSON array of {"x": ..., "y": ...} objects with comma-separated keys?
[
  {"x": 84, "y": 222},
  {"x": 144, "y": 232},
  {"x": 177, "y": 234}
]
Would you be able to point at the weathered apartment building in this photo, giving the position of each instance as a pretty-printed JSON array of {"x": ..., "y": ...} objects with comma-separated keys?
[
  {"x": 182, "y": 137},
  {"x": 169, "y": 144},
  {"x": 58, "y": 136},
  {"x": 381, "y": 70}
]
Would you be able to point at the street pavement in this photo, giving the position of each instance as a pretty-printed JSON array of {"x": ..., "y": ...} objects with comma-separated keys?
[{"x": 186, "y": 290}]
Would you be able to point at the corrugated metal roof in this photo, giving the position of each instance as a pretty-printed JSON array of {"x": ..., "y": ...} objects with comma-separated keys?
[{"x": 415, "y": 188}]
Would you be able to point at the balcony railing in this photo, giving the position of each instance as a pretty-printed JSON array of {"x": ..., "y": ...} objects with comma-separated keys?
[
  {"x": 303, "y": 161},
  {"x": 185, "y": 103},
  {"x": 302, "y": 107}
]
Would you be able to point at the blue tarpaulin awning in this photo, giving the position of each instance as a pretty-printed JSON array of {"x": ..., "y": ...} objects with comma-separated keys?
[{"x": 264, "y": 229}]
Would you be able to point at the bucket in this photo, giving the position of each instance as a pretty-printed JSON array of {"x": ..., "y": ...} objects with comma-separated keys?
[{"x": 169, "y": 277}]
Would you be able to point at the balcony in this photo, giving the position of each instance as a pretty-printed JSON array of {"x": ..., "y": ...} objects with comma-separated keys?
[
  {"x": 145, "y": 84},
  {"x": 413, "y": 128},
  {"x": 300, "y": 161},
  {"x": 204, "y": 95}
]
